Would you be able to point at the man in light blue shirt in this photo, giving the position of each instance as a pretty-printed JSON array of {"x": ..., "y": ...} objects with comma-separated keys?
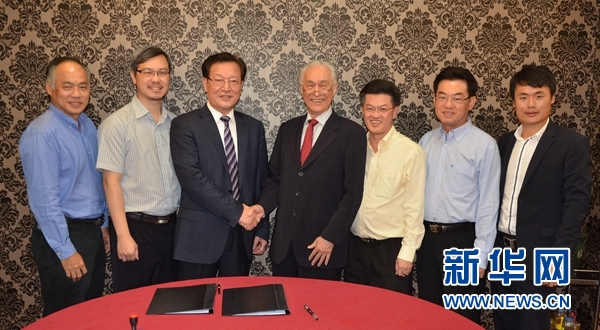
[
  {"x": 461, "y": 189},
  {"x": 58, "y": 152}
]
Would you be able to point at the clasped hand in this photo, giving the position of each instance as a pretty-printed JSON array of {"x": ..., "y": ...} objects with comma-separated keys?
[{"x": 251, "y": 216}]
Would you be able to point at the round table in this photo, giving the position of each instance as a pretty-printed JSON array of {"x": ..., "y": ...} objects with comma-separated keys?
[{"x": 339, "y": 305}]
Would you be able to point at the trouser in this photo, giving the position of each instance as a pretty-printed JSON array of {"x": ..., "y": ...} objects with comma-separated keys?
[
  {"x": 520, "y": 319},
  {"x": 290, "y": 267},
  {"x": 233, "y": 262},
  {"x": 59, "y": 291},
  {"x": 430, "y": 268},
  {"x": 155, "y": 250},
  {"x": 373, "y": 262}
]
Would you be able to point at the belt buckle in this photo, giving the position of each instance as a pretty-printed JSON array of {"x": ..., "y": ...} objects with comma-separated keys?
[
  {"x": 510, "y": 242},
  {"x": 437, "y": 229},
  {"x": 162, "y": 220},
  {"x": 368, "y": 241},
  {"x": 100, "y": 221}
]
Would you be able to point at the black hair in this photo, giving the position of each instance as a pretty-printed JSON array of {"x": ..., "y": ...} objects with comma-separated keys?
[
  {"x": 380, "y": 86},
  {"x": 146, "y": 53},
  {"x": 457, "y": 73},
  {"x": 535, "y": 76},
  {"x": 221, "y": 58}
]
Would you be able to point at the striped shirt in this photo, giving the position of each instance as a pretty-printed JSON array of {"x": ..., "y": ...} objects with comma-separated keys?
[{"x": 132, "y": 144}]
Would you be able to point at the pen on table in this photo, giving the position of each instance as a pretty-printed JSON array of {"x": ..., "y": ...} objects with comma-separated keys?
[
  {"x": 311, "y": 312},
  {"x": 218, "y": 288},
  {"x": 133, "y": 319}
]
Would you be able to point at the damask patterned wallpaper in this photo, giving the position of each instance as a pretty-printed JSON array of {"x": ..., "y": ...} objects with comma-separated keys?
[{"x": 406, "y": 41}]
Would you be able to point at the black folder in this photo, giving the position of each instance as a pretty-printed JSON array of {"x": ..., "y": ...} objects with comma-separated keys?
[
  {"x": 255, "y": 300},
  {"x": 195, "y": 299}
]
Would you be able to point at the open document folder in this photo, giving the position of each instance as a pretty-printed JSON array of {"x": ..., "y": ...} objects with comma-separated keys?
[
  {"x": 195, "y": 299},
  {"x": 255, "y": 300}
]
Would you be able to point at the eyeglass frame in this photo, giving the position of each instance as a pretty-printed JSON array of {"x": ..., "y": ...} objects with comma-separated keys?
[
  {"x": 220, "y": 82},
  {"x": 378, "y": 110},
  {"x": 149, "y": 73},
  {"x": 454, "y": 100},
  {"x": 317, "y": 87}
]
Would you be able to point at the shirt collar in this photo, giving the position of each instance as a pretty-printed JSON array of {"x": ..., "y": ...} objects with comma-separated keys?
[
  {"x": 322, "y": 118},
  {"x": 63, "y": 117},
  {"x": 458, "y": 133},
  {"x": 385, "y": 141},
  {"x": 140, "y": 110},
  {"x": 536, "y": 136},
  {"x": 217, "y": 115}
]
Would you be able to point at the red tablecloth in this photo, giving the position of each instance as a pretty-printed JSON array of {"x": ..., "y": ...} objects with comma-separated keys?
[{"x": 339, "y": 305}]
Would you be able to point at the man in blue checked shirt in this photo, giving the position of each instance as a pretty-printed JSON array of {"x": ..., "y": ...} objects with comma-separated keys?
[
  {"x": 461, "y": 188},
  {"x": 58, "y": 152}
]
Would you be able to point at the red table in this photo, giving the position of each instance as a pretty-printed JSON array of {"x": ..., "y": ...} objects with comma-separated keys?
[{"x": 339, "y": 305}]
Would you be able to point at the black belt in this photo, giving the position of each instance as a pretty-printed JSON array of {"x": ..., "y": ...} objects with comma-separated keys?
[
  {"x": 85, "y": 222},
  {"x": 156, "y": 220},
  {"x": 370, "y": 241},
  {"x": 509, "y": 240},
  {"x": 439, "y": 228},
  {"x": 373, "y": 241}
]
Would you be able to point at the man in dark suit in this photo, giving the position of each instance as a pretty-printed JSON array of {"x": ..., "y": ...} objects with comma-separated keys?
[
  {"x": 316, "y": 175},
  {"x": 220, "y": 158},
  {"x": 545, "y": 187}
]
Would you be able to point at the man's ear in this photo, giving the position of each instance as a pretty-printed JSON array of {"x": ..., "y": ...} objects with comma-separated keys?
[
  {"x": 472, "y": 101},
  {"x": 132, "y": 74},
  {"x": 49, "y": 89}
]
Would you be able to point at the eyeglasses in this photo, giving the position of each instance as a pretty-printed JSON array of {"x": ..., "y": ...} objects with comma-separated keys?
[
  {"x": 150, "y": 73},
  {"x": 382, "y": 111},
  {"x": 311, "y": 88},
  {"x": 220, "y": 82},
  {"x": 454, "y": 100}
]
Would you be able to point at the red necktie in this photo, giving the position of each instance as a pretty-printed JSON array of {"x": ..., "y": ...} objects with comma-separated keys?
[{"x": 308, "y": 141}]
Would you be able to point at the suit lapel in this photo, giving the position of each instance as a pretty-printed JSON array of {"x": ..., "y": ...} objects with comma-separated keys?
[
  {"x": 326, "y": 137},
  {"x": 546, "y": 141},
  {"x": 296, "y": 141},
  {"x": 207, "y": 122},
  {"x": 242, "y": 143},
  {"x": 505, "y": 156}
]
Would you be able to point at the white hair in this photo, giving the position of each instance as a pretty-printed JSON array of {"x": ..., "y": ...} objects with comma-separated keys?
[{"x": 316, "y": 63}]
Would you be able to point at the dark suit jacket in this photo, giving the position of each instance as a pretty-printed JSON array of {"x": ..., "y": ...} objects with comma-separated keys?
[
  {"x": 320, "y": 198},
  {"x": 555, "y": 196},
  {"x": 207, "y": 210}
]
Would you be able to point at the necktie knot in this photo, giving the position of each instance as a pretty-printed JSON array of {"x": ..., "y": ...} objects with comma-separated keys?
[
  {"x": 225, "y": 120},
  {"x": 313, "y": 122}
]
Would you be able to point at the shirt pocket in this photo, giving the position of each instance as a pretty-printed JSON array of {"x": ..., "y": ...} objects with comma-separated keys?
[
  {"x": 388, "y": 185},
  {"x": 462, "y": 179}
]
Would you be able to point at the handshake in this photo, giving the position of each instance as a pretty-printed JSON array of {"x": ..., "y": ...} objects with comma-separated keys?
[{"x": 251, "y": 216}]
